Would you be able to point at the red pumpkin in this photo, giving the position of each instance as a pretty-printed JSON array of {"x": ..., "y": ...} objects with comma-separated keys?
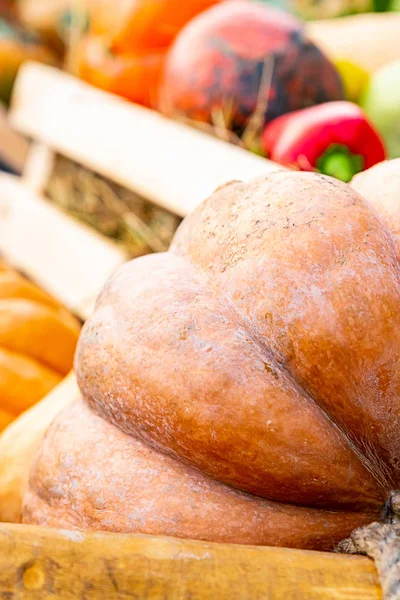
[{"x": 241, "y": 53}]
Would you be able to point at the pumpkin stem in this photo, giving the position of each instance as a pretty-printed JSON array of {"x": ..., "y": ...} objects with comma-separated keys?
[{"x": 381, "y": 542}]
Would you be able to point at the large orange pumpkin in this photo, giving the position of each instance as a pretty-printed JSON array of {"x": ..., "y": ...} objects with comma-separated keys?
[
  {"x": 37, "y": 343},
  {"x": 245, "y": 385}
]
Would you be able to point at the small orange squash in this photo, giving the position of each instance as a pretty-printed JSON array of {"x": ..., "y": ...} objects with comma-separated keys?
[
  {"x": 37, "y": 343},
  {"x": 135, "y": 76}
]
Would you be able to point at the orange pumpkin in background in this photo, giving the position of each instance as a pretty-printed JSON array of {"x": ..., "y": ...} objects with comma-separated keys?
[
  {"x": 134, "y": 25},
  {"x": 125, "y": 49},
  {"x": 132, "y": 76}
]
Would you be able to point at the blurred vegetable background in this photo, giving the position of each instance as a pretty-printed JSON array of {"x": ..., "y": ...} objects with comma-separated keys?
[
  {"x": 16, "y": 46},
  {"x": 246, "y": 64},
  {"x": 334, "y": 138},
  {"x": 230, "y": 67},
  {"x": 381, "y": 101}
]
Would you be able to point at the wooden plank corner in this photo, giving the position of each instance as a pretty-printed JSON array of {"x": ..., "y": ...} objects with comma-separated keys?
[{"x": 68, "y": 259}]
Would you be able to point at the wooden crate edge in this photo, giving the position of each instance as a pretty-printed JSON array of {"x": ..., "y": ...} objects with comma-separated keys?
[
  {"x": 170, "y": 164},
  {"x": 66, "y": 258},
  {"x": 47, "y": 563}
]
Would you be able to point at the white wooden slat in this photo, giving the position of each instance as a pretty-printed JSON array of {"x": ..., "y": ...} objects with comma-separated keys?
[
  {"x": 173, "y": 165},
  {"x": 66, "y": 258}
]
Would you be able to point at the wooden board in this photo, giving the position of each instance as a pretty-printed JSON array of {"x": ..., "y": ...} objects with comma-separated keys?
[
  {"x": 172, "y": 165},
  {"x": 66, "y": 258},
  {"x": 43, "y": 564}
]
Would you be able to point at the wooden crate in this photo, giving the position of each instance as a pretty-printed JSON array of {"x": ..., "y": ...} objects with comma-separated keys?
[{"x": 175, "y": 168}]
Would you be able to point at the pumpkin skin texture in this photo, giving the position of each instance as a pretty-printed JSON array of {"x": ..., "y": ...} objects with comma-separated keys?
[
  {"x": 259, "y": 354},
  {"x": 218, "y": 59},
  {"x": 37, "y": 343}
]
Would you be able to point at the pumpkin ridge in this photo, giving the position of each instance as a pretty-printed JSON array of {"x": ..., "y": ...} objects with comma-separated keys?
[
  {"x": 281, "y": 365},
  {"x": 380, "y": 474},
  {"x": 36, "y": 485},
  {"x": 222, "y": 276},
  {"x": 367, "y": 504},
  {"x": 75, "y": 484},
  {"x": 383, "y": 482},
  {"x": 94, "y": 352}
]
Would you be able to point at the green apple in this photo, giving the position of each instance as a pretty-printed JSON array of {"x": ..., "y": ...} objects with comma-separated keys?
[{"x": 381, "y": 102}]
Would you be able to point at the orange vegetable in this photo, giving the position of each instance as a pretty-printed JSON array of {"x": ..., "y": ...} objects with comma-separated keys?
[
  {"x": 132, "y": 76},
  {"x": 244, "y": 386},
  {"x": 37, "y": 343},
  {"x": 125, "y": 49},
  {"x": 5, "y": 419},
  {"x": 134, "y": 25}
]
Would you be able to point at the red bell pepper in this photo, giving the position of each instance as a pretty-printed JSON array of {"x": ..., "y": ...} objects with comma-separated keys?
[{"x": 334, "y": 138}]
